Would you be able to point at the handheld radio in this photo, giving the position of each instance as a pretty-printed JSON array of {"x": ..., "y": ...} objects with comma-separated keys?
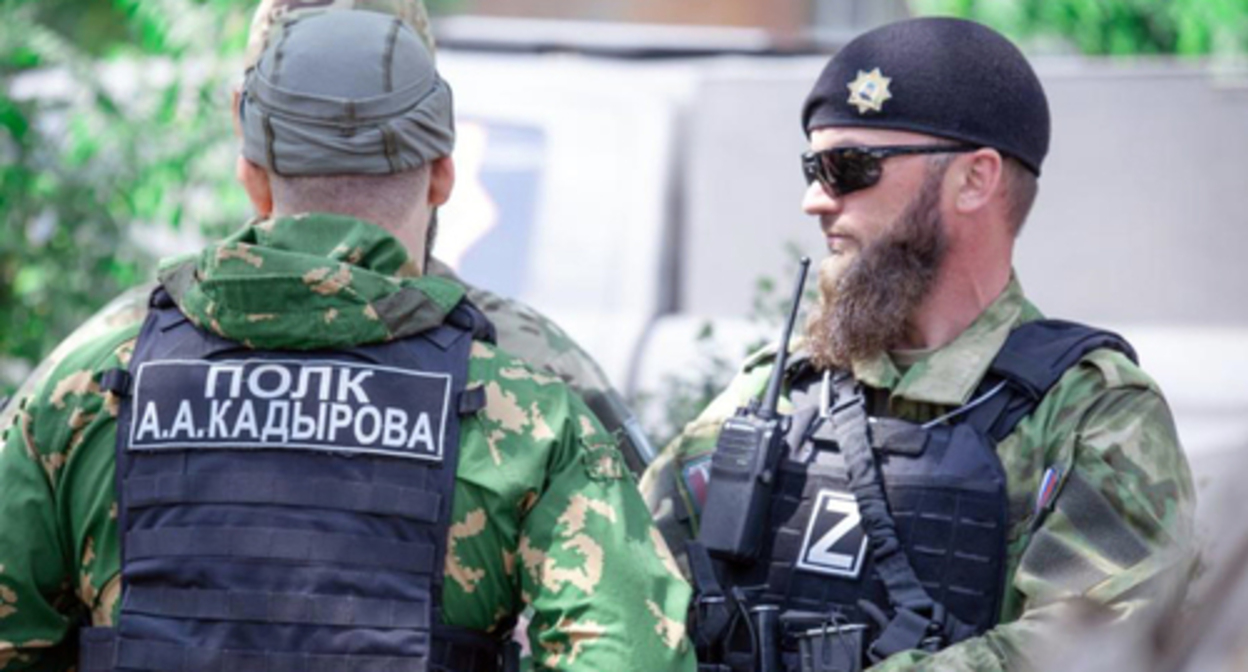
[{"x": 743, "y": 466}]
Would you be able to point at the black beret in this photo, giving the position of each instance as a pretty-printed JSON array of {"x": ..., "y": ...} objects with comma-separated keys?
[{"x": 945, "y": 77}]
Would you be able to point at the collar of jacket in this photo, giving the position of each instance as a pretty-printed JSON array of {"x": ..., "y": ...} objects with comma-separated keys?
[
  {"x": 949, "y": 375},
  {"x": 306, "y": 282}
]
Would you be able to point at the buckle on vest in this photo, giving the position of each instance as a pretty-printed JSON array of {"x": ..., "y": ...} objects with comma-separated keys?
[{"x": 713, "y": 614}]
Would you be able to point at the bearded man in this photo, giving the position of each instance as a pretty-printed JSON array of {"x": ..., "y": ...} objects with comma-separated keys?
[{"x": 956, "y": 470}]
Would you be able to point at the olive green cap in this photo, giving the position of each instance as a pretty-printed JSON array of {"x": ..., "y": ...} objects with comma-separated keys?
[{"x": 345, "y": 93}]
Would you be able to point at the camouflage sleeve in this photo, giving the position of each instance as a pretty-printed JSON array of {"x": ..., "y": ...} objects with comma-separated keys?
[
  {"x": 541, "y": 343},
  {"x": 58, "y": 537},
  {"x": 605, "y": 592},
  {"x": 1120, "y": 530}
]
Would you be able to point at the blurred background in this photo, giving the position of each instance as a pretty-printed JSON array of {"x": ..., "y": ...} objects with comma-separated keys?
[{"x": 630, "y": 168}]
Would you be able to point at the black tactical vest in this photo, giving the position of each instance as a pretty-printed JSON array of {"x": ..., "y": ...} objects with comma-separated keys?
[
  {"x": 287, "y": 511},
  {"x": 897, "y": 544}
]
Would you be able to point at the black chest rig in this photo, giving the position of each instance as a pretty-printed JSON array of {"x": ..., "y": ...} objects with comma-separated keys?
[
  {"x": 881, "y": 535},
  {"x": 288, "y": 511}
]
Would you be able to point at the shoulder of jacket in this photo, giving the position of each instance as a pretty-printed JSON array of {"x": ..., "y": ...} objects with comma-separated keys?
[{"x": 1117, "y": 370}]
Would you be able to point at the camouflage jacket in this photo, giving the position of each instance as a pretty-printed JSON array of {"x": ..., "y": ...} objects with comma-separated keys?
[
  {"x": 544, "y": 513},
  {"x": 538, "y": 341},
  {"x": 521, "y": 331},
  {"x": 1105, "y": 424}
]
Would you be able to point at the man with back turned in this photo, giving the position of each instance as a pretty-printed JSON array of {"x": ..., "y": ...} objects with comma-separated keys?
[{"x": 309, "y": 454}]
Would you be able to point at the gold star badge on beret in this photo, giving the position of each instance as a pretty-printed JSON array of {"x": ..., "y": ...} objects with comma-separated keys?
[{"x": 869, "y": 91}]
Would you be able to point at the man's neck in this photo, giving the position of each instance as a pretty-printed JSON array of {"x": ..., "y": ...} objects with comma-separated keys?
[{"x": 960, "y": 294}]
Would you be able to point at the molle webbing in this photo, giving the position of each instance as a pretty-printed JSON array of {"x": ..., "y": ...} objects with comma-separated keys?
[
  {"x": 230, "y": 605},
  {"x": 328, "y": 493},
  {"x": 285, "y": 545},
  {"x": 275, "y": 524}
]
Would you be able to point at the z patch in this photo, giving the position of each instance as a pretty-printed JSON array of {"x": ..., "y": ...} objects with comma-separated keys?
[
  {"x": 835, "y": 543},
  {"x": 318, "y": 405}
]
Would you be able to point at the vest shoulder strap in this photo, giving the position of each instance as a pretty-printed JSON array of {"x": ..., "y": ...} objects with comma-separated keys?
[{"x": 1035, "y": 356}]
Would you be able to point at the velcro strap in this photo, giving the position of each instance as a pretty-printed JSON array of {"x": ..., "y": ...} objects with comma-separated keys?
[
  {"x": 713, "y": 609},
  {"x": 228, "y": 605},
  {"x": 321, "y": 493},
  {"x": 161, "y": 657},
  {"x": 291, "y": 545}
]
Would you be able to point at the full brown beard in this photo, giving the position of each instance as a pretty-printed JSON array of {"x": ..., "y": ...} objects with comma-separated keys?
[{"x": 866, "y": 309}]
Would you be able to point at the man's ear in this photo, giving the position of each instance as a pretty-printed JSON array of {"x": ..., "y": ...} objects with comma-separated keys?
[
  {"x": 980, "y": 178},
  {"x": 441, "y": 180},
  {"x": 255, "y": 181}
]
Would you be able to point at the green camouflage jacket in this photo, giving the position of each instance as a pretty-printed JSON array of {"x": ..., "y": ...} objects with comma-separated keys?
[
  {"x": 538, "y": 341},
  {"x": 1105, "y": 426},
  {"x": 544, "y": 515},
  {"x": 521, "y": 330}
]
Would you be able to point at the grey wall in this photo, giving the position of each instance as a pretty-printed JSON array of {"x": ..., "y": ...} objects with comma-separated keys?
[{"x": 1141, "y": 216}]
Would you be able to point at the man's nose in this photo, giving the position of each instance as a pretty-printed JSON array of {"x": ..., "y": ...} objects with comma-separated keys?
[{"x": 817, "y": 201}]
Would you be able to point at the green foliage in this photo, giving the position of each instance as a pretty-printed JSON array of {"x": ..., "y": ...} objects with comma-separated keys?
[
  {"x": 114, "y": 125},
  {"x": 1112, "y": 27}
]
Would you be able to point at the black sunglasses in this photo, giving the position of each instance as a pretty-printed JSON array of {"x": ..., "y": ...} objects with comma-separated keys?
[{"x": 844, "y": 170}]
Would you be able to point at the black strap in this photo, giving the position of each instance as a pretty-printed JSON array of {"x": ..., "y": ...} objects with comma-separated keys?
[
  {"x": 116, "y": 381},
  {"x": 325, "y": 493},
  {"x": 281, "y": 608},
  {"x": 469, "y": 318},
  {"x": 916, "y": 615},
  {"x": 711, "y": 608},
  {"x": 292, "y": 545},
  {"x": 849, "y": 422}
]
